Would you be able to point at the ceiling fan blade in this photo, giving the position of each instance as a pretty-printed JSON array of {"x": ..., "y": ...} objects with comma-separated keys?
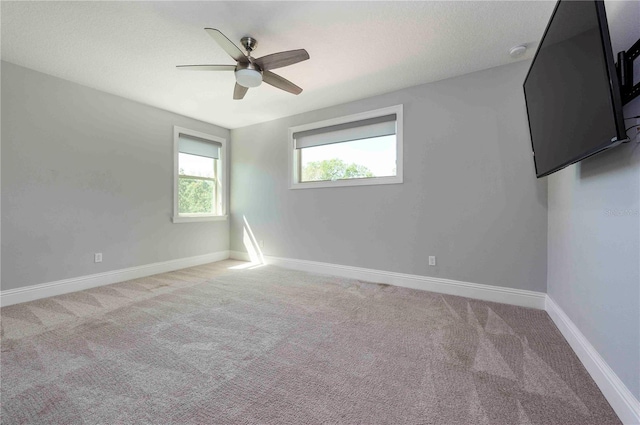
[
  {"x": 228, "y": 46},
  {"x": 279, "y": 82},
  {"x": 207, "y": 67},
  {"x": 278, "y": 60},
  {"x": 239, "y": 91}
]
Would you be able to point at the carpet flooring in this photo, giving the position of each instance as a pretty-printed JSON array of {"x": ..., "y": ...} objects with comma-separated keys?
[{"x": 213, "y": 345}]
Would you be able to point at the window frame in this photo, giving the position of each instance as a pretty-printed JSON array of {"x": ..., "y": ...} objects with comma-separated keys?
[
  {"x": 294, "y": 154},
  {"x": 222, "y": 177}
]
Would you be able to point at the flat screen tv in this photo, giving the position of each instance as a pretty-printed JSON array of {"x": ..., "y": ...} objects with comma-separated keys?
[{"x": 571, "y": 90}]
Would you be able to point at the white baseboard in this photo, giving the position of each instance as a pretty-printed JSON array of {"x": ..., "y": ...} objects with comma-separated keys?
[
  {"x": 623, "y": 402},
  {"x": 478, "y": 291},
  {"x": 50, "y": 289},
  {"x": 239, "y": 255}
]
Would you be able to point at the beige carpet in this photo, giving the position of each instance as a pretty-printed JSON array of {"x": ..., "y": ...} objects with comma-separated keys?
[{"x": 274, "y": 346}]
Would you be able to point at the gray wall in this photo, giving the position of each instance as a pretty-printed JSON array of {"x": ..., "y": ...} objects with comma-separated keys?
[
  {"x": 469, "y": 195},
  {"x": 594, "y": 236},
  {"x": 84, "y": 171}
]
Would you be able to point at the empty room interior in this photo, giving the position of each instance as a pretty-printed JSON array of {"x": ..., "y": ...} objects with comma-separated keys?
[{"x": 306, "y": 212}]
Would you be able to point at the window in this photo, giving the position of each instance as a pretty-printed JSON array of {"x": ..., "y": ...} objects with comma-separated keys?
[
  {"x": 199, "y": 176},
  {"x": 361, "y": 149}
]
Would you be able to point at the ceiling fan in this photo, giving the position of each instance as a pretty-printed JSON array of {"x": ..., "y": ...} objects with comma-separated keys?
[{"x": 251, "y": 72}]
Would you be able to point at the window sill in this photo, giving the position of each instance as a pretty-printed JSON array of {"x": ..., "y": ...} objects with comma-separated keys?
[
  {"x": 348, "y": 182},
  {"x": 196, "y": 219}
]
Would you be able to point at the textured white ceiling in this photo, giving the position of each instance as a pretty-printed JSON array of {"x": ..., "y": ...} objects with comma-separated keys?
[{"x": 357, "y": 49}]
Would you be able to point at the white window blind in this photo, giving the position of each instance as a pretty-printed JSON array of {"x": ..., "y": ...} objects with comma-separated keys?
[
  {"x": 347, "y": 132},
  {"x": 196, "y": 146}
]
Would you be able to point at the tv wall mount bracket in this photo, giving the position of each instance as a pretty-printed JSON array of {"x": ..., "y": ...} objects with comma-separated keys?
[{"x": 624, "y": 69}]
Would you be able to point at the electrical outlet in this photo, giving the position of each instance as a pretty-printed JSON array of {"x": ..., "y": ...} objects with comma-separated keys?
[
  {"x": 432, "y": 260},
  {"x": 261, "y": 243},
  {"x": 97, "y": 257}
]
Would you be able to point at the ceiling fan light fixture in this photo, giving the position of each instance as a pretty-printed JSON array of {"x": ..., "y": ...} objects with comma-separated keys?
[
  {"x": 248, "y": 77},
  {"x": 250, "y": 72}
]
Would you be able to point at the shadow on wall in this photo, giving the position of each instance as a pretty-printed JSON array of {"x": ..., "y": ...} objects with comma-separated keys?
[
  {"x": 618, "y": 159},
  {"x": 610, "y": 161},
  {"x": 251, "y": 245}
]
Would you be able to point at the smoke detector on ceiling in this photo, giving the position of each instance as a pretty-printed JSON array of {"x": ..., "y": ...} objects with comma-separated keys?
[{"x": 517, "y": 51}]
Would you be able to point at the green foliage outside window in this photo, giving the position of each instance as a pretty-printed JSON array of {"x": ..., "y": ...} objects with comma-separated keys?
[
  {"x": 195, "y": 196},
  {"x": 333, "y": 169}
]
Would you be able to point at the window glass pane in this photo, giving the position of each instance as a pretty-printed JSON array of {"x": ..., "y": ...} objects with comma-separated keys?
[
  {"x": 196, "y": 196},
  {"x": 363, "y": 158},
  {"x": 194, "y": 165}
]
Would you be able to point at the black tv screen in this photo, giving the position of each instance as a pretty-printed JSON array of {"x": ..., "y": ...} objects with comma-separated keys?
[{"x": 571, "y": 91}]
